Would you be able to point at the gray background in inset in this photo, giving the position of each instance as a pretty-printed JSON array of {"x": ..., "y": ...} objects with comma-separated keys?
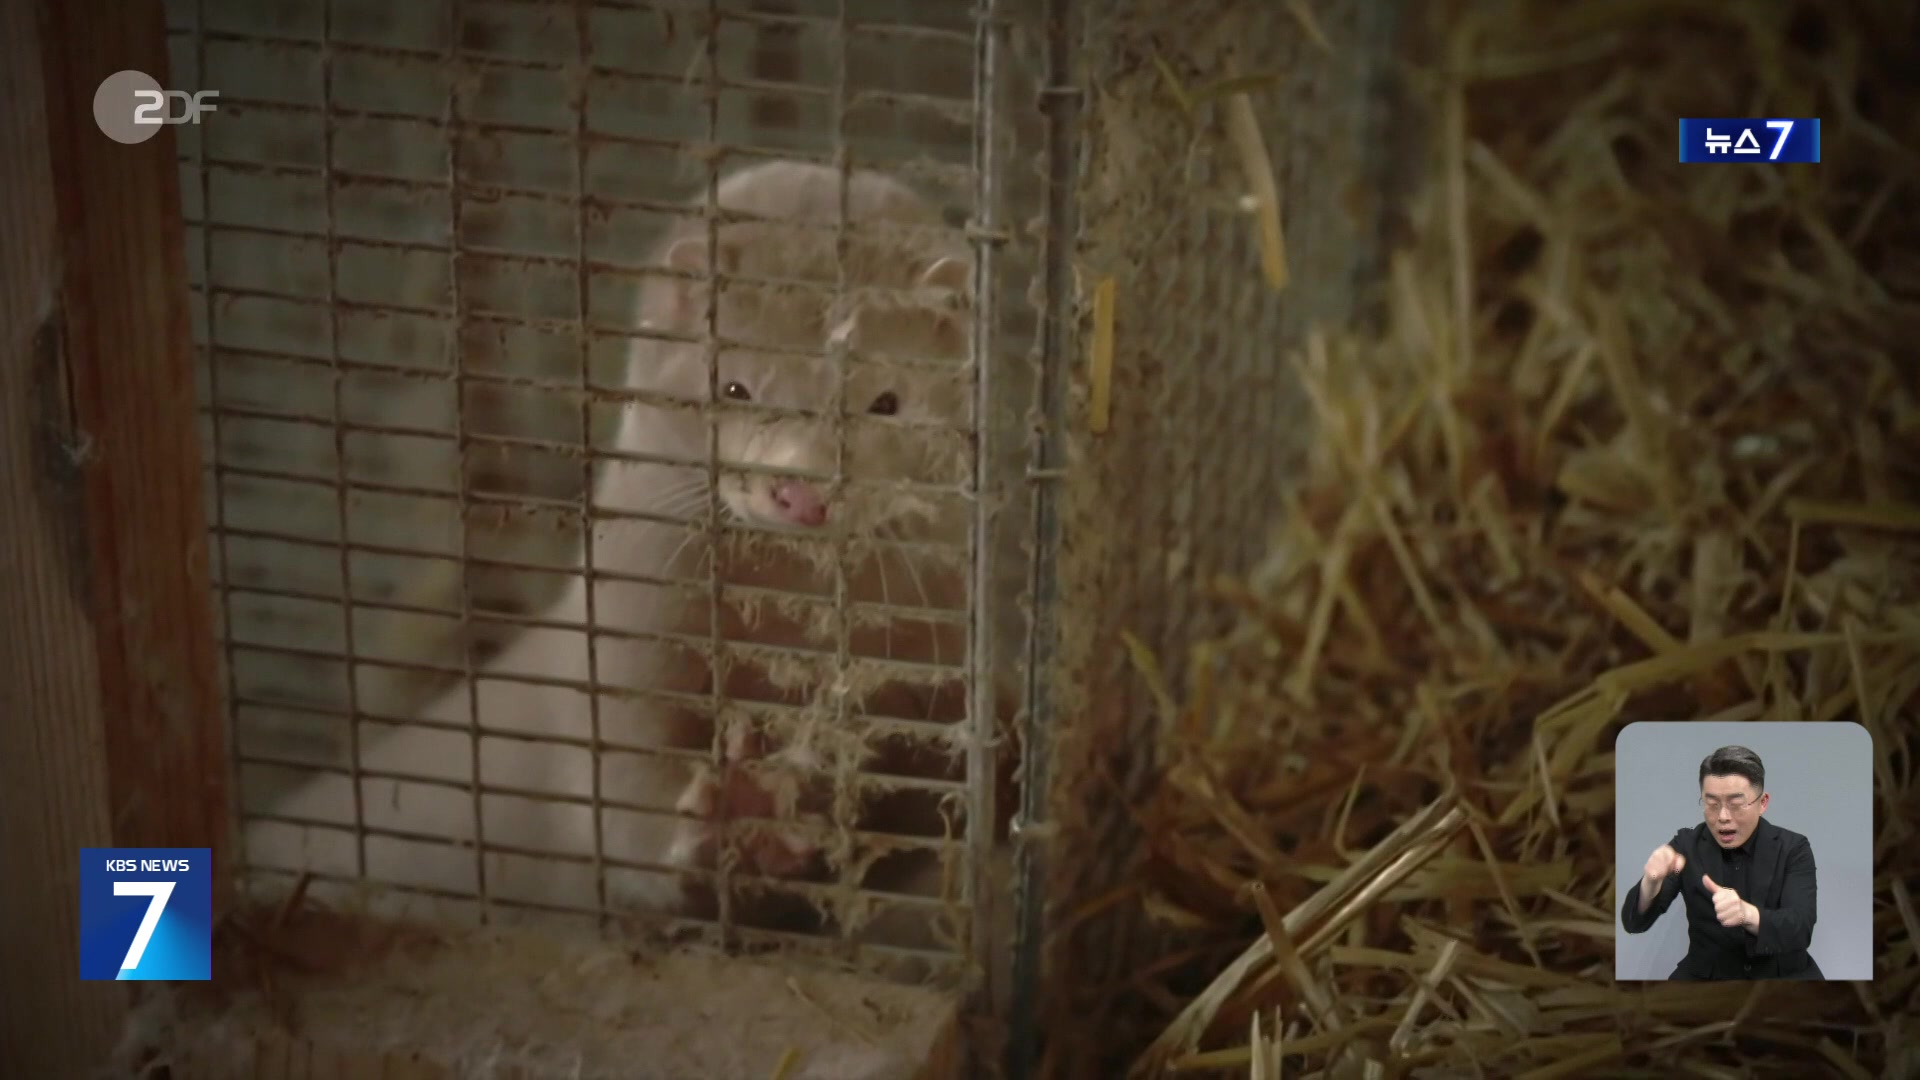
[{"x": 1821, "y": 778}]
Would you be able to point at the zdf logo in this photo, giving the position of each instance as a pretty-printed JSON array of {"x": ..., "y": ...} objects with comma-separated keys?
[{"x": 130, "y": 106}]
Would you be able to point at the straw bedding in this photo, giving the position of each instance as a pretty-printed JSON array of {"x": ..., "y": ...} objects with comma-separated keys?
[{"x": 1636, "y": 442}]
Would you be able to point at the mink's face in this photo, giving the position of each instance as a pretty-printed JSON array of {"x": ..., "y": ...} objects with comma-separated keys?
[
  {"x": 899, "y": 374},
  {"x": 843, "y": 412}
]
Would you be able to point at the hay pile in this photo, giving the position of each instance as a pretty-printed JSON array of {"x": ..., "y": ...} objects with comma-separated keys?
[{"x": 1639, "y": 442}]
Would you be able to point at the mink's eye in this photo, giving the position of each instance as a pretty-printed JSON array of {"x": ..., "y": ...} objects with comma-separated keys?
[
  {"x": 738, "y": 391},
  {"x": 885, "y": 405}
]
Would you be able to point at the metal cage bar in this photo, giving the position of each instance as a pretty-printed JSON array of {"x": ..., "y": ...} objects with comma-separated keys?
[
  {"x": 583, "y": 31},
  {"x": 723, "y": 886},
  {"x": 339, "y": 437},
  {"x": 983, "y": 741},
  {"x": 1061, "y": 101}
]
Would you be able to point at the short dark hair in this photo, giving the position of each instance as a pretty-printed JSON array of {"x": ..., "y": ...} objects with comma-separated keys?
[{"x": 1735, "y": 761}]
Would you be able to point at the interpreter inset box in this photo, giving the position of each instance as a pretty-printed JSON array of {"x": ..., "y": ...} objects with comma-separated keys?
[{"x": 1743, "y": 851}]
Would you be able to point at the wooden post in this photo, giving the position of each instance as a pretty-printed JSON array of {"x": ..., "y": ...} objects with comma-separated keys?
[{"x": 111, "y": 729}]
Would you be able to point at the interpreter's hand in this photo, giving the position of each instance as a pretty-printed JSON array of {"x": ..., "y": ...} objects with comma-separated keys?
[
  {"x": 1729, "y": 908},
  {"x": 1662, "y": 862}
]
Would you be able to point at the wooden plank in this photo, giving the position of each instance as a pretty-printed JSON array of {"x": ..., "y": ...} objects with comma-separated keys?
[
  {"x": 129, "y": 351},
  {"x": 279, "y": 1056},
  {"x": 643, "y": 1013},
  {"x": 52, "y": 778},
  {"x": 110, "y": 727}
]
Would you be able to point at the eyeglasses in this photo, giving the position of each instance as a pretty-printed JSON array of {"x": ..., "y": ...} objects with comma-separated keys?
[{"x": 1734, "y": 805}]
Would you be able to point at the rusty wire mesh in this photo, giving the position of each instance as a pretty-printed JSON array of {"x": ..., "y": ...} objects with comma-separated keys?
[
  {"x": 417, "y": 236},
  {"x": 1208, "y": 421}
]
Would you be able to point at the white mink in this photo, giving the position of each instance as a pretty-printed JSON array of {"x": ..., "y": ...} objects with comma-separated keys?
[{"x": 909, "y": 295}]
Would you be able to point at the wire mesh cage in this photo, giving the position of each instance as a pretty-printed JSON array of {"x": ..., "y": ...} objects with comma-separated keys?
[
  {"x": 461, "y": 420},
  {"x": 1233, "y": 170}
]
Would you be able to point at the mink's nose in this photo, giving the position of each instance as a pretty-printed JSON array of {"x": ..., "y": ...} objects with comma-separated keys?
[{"x": 800, "y": 502}]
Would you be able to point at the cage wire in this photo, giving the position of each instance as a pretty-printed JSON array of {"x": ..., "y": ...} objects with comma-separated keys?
[
  {"x": 1197, "y": 111},
  {"x": 419, "y": 239}
]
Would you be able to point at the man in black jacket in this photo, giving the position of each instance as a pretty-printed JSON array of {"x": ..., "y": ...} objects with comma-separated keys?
[{"x": 1748, "y": 884}]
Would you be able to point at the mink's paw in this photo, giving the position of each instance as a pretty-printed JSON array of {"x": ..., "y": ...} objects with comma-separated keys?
[{"x": 735, "y": 792}]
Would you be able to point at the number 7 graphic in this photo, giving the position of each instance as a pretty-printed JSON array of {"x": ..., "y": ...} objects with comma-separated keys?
[
  {"x": 160, "y": 891},
  {"x": 1785, "y": 128}
]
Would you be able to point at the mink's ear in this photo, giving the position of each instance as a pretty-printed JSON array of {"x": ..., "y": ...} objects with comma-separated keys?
[
  {"x": 688, "y": 255},
  {"x": 949, "y": 272}
]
